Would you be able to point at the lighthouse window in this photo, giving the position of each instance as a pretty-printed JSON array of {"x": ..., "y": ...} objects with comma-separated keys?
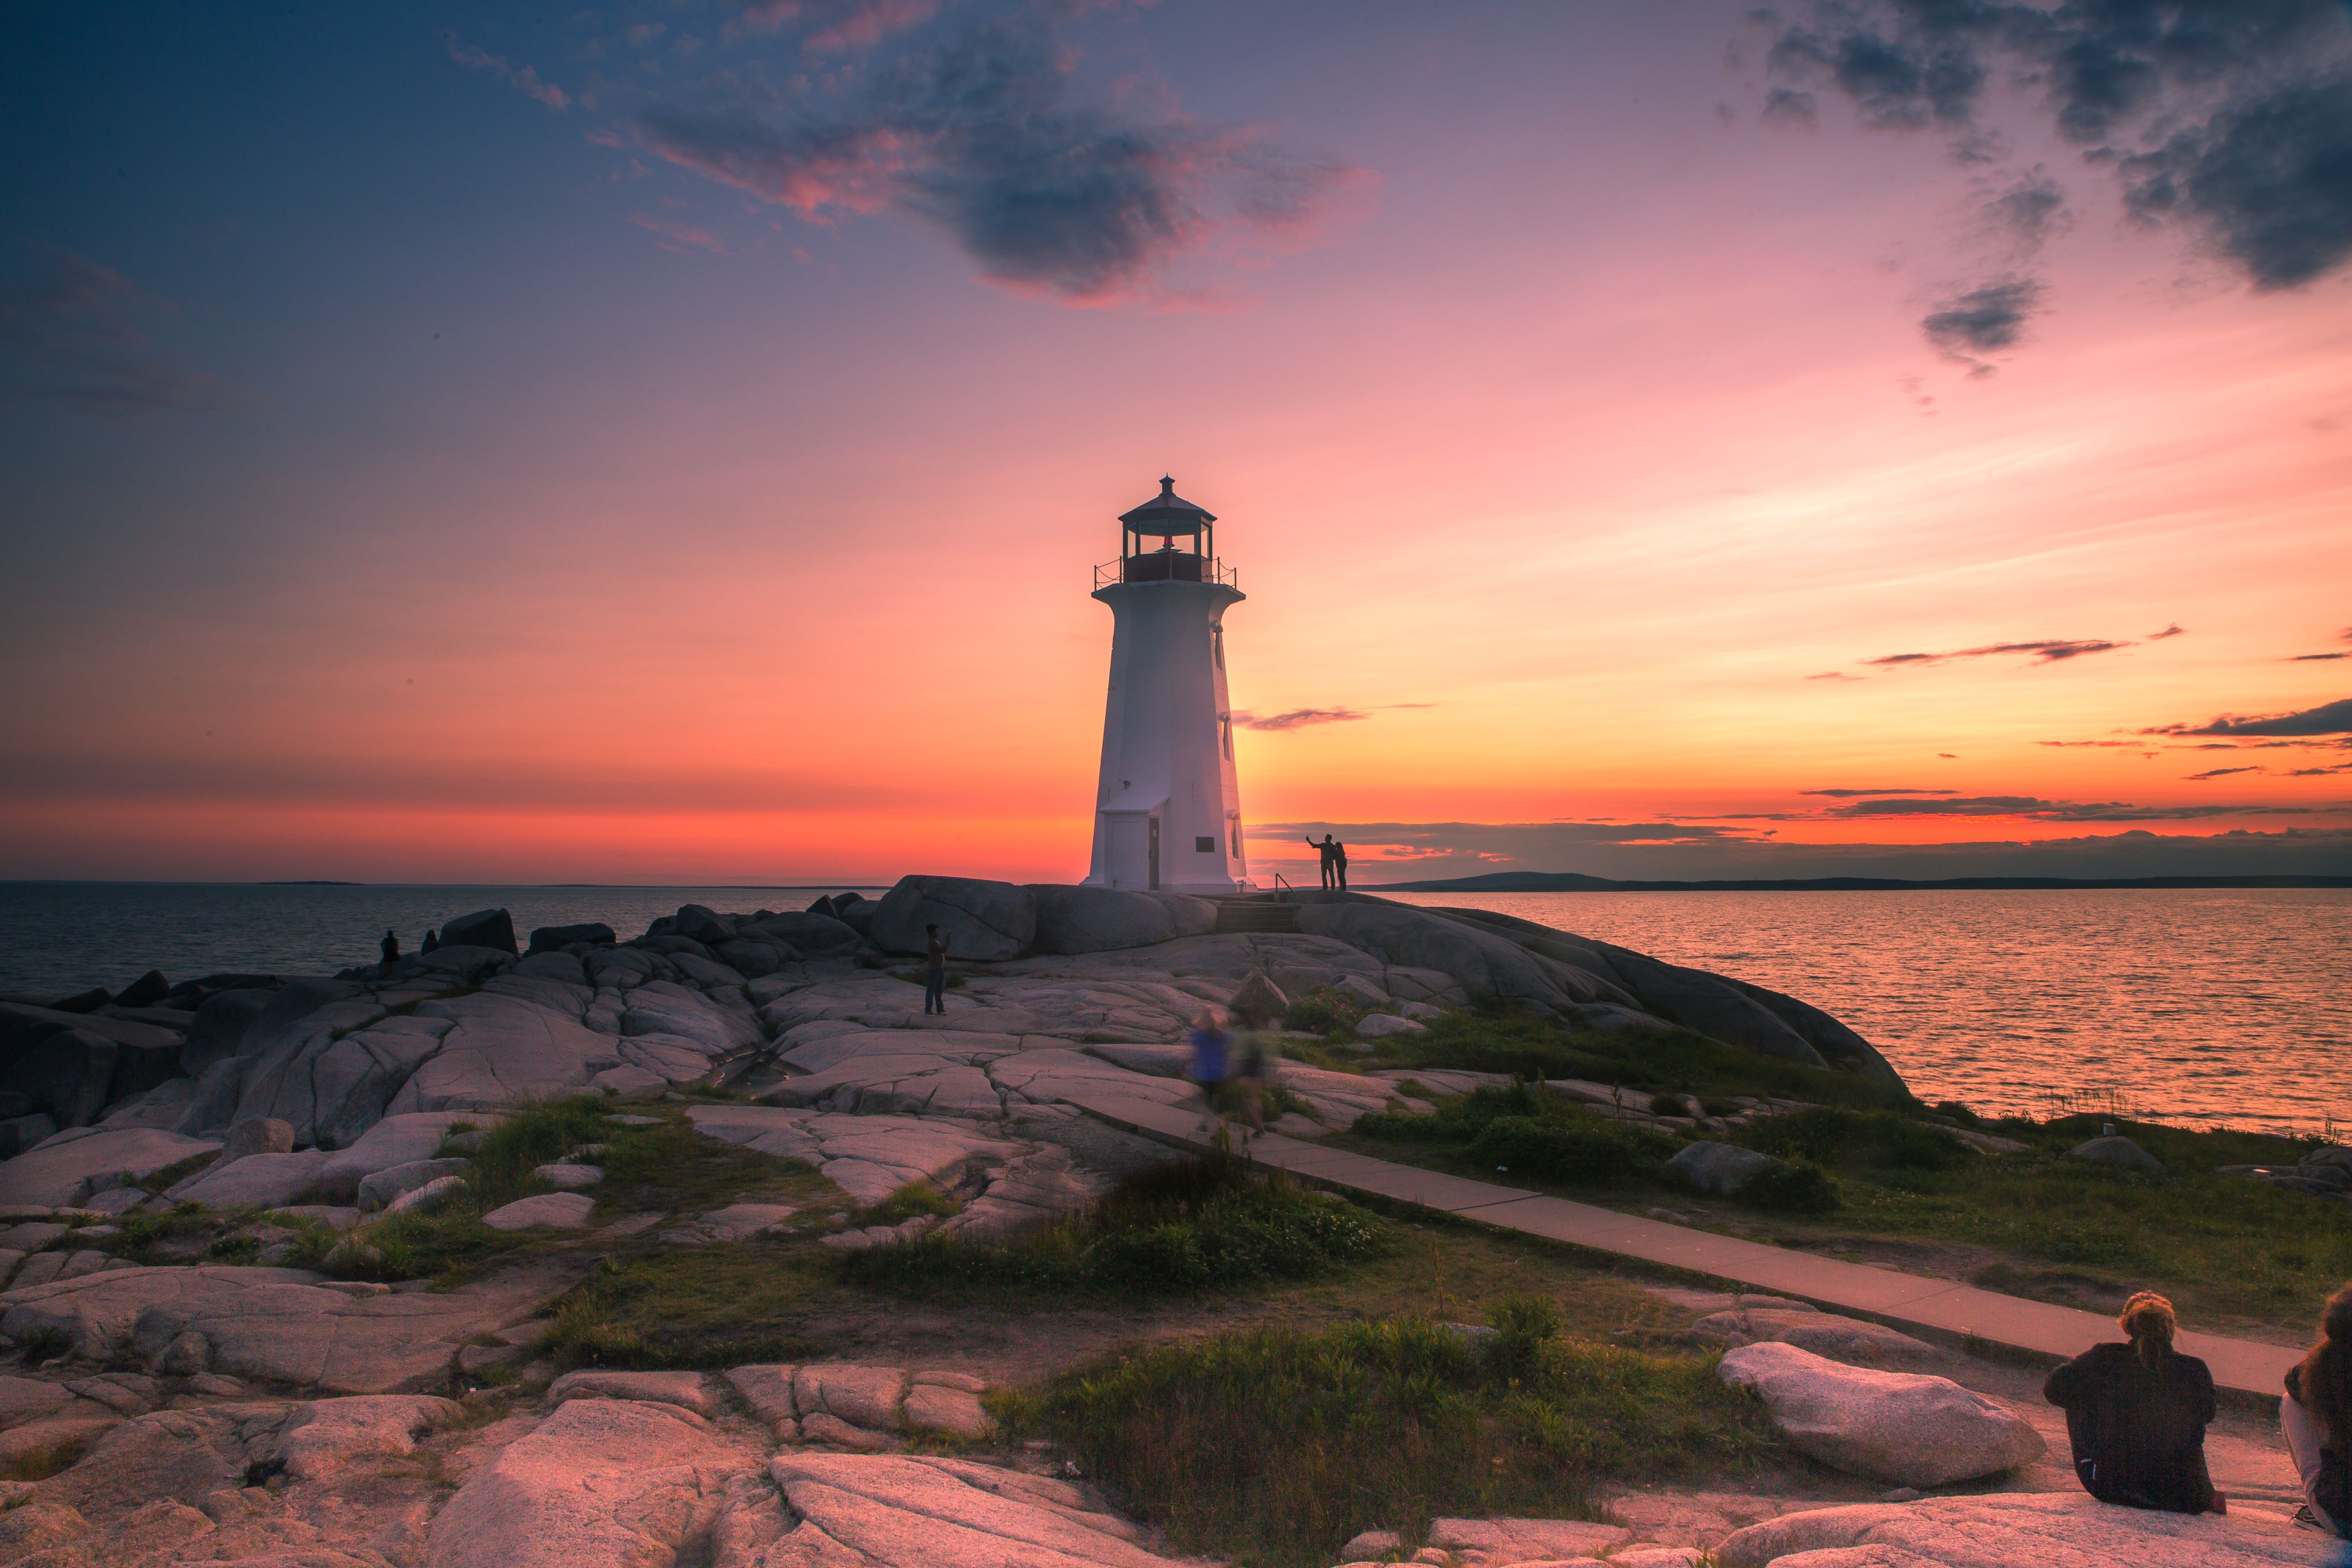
[
  {"x": 1217, "y": 645},
  {"x": 1207, "y": 846},
  {"x": 1234, "y": 838},
  {"x": 1228, "y": 727}
]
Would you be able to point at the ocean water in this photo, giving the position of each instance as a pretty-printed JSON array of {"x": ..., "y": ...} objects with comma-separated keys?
[
  {"x": 63, "y": 937},
  {"x": 2197, "y": 1005},
  {"x": 2189, "y": 1005}
]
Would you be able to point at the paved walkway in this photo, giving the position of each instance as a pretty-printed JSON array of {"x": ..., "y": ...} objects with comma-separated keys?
[{"x": 1886, "y": 1295}]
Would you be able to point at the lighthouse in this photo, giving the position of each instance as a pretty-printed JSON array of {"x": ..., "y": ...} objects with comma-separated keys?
[{"x": 1167, "y": 806}]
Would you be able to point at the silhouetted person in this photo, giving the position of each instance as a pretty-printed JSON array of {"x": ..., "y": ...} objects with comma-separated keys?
[
  {"x": 391, "y": 951},
  {"x": 935, "y": 973},
  {"x": 2136, "y": 1413},
  {"x": 2316, "y": 1416},
  {"x": 431, "y": 943},
  {"x": 1335, "y": 859}
]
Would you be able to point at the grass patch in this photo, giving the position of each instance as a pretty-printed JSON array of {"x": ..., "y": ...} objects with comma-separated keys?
[
  {"x": 1532, "y": 1134},
  {"x": 40, "y": 1464},
  {"x": 663, "y": 1167},
  {"x": 176, "y": 1172},
  {"x": 1271, "y": 1447},
  {"x": 915, "y": 1198},
  {"x": 1496, "y": 1039},
  {"x": 701, "y": 1307},
  {"x": 44, "y": 1344},
  {"x": 1212, "y": 1224}
]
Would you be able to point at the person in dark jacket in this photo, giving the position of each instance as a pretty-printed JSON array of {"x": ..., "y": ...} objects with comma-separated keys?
[
  {"x": 431, "y": 944},
  {"x": 935, "y": 970},
  {"x": 2316, "y": 1416},
  {"x": 391, "y": 951},
  {"x": 2136, "y": 1413}
]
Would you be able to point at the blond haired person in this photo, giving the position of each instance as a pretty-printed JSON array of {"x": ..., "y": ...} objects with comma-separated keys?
[{"x": 2136, "y": 1413}]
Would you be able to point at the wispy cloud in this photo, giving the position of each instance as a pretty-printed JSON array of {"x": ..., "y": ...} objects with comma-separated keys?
[
  {"x": 524, "y": 80},
  {"x": 2045, "y": 651},
  {"x": 69, "y": 332},
  {"x": 2328, "y": 718},
  {"x": 679, "y": 233},
  {"x": 1835, "y": 676},
  {"x": 2035, "y": 809},
  {"x": 1299, "y": 717},
  {"x": 1887, "y": 789}
]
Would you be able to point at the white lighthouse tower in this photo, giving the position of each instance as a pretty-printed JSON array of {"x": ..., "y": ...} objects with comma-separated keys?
[{"x": 1167, "y": 808}]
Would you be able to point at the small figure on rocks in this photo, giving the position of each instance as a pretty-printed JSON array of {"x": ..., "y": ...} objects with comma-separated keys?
[
  {"x": 2136, "y": 1413},
  {"x": 1254, "y": 1076},
  {"x": 2316, "y": 1416},
  {"x": 391, "y": 951},
  {"x": 935, "y": 974},
  {"x": 432, "y": 943},
  {"x": 1211, "y": 1061}
]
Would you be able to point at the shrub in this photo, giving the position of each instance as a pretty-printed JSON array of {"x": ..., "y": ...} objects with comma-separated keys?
[
  {"x": 1871, "y": 1140},
  {"x": 1325, "y": 1010},
  {"x": 1585, "y": 1149},
  {"x": 1672, "y": 1105},
  {"x": 1211, "y": 1224},
  {"x": 1800, "y": 1186}
]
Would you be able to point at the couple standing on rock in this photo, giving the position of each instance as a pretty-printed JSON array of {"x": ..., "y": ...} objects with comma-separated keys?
[
  {"x": 2136, "y": 1413},
  {"x": 1234, "y": 1076},
  {"x": 1335, "y": 861}
]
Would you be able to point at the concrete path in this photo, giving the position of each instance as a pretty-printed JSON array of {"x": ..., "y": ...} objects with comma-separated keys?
[{"x": 1901, "y": 1301}]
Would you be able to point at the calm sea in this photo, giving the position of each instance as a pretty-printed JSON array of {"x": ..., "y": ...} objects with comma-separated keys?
[{"x": 2189, "y": 1005}]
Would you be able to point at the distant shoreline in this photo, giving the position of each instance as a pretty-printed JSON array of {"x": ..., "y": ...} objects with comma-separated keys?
[{"x": 1575, "y": 882}]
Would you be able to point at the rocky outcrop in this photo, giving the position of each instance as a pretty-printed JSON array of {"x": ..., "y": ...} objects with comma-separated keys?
[
  {"x": 1898, "y": 1428},
  {"x": 491, "y": 928},
  {"x": 1071, "y": 920},
  {"x": 983, "y": 921},
  {"x": 903, "y": 1511},
  {"x": 2005, "y": 1530},
  {"x": 1757, "y": 1319},
  {"x": 2119, "y": 1152},
  {"x": 1722, "y": 1169},
  {"x": 62, "y": 1174}
]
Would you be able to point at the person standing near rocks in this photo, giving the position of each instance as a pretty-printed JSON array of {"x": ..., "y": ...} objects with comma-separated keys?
[
  {"x": 1212, "y": 1062},
  {"x": 2136, "y": 1413},
  {"x": 432, "y": 943},
  {"x": 2316, "y": 1417},
  {"x": 935, "y": 973},
  {"x": 391, "y": 950}
]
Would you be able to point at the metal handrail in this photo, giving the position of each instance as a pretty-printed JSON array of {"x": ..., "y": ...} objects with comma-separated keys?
[
  {"x": 1213, "y": 571},
  {"x": 1281, "y": 888}
]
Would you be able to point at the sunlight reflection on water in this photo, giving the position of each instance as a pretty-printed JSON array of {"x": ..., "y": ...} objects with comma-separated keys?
[{"x": 2190, "y": 1004}]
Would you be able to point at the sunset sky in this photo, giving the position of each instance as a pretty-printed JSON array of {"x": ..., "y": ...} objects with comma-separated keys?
[{"x": 671, "y": 442}]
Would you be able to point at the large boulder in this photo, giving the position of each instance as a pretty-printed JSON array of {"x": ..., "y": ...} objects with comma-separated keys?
[
  {"x": 264, "y": 1181},
  {"x": 599, "y": 1481},
  {"x": 1899, "y": 1427},
  {"x": 889, "y": 1511},
  {"x": 1100, "y": 919},
  {"x": 61, "y": 1174},
  {"x": 1756, "y": 1319},
  {"x": 985, "y": 921},
  {"x": 396, "y": 1140},
  {"x": 698, "y": 923},
  {"x": 492, "y": 928},
  {"x": 1719, "y": 1168},
  {"x": 147, "y": 991},
  {"x": 551, "y": 938},
  {"x": 810, "y": 933},
  {"x": 2005, "y": 1530},
  {"x": 65, "y": 1072},
  {"x": 2118, "y": 1152},
  {"x": 1487, "y": 964}
]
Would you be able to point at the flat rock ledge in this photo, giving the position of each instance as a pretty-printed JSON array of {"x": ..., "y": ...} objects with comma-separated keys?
[{"x": 2049, "y": 1530}]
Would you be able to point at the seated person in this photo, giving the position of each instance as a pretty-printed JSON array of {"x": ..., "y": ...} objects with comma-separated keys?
[
  {"x": 2136, "y": 1413},
  {"x": 2316, "y": 1416}
]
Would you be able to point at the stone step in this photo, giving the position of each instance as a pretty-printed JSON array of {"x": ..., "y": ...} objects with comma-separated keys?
[{"x": 1251, "y": 916}]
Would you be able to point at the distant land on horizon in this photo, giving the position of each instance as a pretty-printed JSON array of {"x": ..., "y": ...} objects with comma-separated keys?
[{"x": 1576, "y": 881}]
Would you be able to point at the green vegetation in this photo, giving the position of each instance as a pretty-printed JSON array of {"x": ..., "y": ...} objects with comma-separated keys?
[
  {"x": 1207, "y": 1224},
  {"x": 1866, "y": 1170},
  {"x": 915, "y": 1198},
  {"x": 1272, "y": 1446},
  {"x": 1508, "y": 1039},
  {"x": 663, "y": 1168},
  {"x": 698, "y": 1307}
]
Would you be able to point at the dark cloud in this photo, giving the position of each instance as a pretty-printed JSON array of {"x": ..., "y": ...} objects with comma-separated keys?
[
  {"x": 2231, "y": 118},
  {"x": 2315, "y": 772},
  {"x": 1984, "y": 319},
  {"x": 2317, "y": 658},
  {"x": 1787, "y": 106},
  {"x": 2221, "y": 773},
  {"x": 2045, "y": 651},
  {"x": 1887, "y": 789},
  {"x": 2030, "y": 212},
  {"x": 2175, "y": 630},
  {"x": 1833, "y": 675},
  {"x": 986, "y": 133},
  {"x": 70, "y": 333},
  {"x": 2328, "y": 718},
  {"x": 1298, "y": 717},
  {"x": 2039, "y": 809}
]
